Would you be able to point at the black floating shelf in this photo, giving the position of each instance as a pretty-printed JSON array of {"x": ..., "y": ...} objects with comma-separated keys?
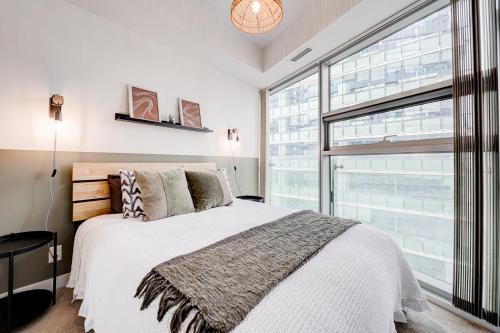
[{"x": 126, "y": 117}]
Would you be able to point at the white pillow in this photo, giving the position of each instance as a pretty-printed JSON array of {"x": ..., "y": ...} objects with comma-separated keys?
[{"x": 224, "y": 172}]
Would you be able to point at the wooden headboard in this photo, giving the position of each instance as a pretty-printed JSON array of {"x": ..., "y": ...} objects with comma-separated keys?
[{"x": 91, "y": 189}]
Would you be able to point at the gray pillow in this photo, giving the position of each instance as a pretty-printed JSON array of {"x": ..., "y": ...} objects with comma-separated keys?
[
  {"x": 164, "y": 194},
  {"x": 209, "y": 189}
]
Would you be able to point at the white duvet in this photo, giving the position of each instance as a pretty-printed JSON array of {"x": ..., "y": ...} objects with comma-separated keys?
[{"x": 359, "y": 282}]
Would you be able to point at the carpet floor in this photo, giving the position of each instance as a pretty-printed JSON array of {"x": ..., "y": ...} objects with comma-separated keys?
[{"x": 63, "y": 318}]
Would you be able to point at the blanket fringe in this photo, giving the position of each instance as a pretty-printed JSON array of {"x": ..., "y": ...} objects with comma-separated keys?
[{"x": 154, "y": 285}]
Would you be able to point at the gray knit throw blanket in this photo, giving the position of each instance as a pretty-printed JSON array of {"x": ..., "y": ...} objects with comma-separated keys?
[{"x": 215, "y": 287}]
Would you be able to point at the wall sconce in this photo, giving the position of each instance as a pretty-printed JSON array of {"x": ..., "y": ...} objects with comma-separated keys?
[
  {"x": 233, "y": 134},
  {"x": 56, "y": 103}
]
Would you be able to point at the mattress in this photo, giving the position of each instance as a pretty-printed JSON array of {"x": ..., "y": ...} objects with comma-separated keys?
[{"x": 359, "y": 282}]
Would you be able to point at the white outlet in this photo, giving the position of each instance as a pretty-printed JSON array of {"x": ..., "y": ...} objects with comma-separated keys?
[{"x": 51, "y": 253}]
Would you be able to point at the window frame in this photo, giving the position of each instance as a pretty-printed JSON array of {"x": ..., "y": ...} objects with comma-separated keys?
[
  {"x": 393, "y": 24},
  {"x": 431, "y": 93},
  {"x": 408, "y": 15},
  {"x": 428, "y": 94}
]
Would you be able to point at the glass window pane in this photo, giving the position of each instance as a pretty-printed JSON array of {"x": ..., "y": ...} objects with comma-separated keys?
[
  {"x": 418, "y": 55},
  {"x": 408, "y": 196},
  {"x": 293, "y": 179},
  {"x": 427, "y": 121}
]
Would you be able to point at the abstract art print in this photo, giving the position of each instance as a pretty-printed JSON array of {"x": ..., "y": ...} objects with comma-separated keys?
[
  {"x": 189, "y": 113},
  {"x": 143, "y": 104}
]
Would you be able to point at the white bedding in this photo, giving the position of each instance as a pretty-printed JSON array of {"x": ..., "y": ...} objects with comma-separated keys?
[{"x": 359, "y": 282}]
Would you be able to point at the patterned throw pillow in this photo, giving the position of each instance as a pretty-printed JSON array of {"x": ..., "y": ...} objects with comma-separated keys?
[{"x": 131, "y": 195}]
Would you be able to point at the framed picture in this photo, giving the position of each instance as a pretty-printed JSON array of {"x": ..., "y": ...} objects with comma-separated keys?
[
  {"x": 189, "y": 113},
  {"x": 143, "y": 104}
]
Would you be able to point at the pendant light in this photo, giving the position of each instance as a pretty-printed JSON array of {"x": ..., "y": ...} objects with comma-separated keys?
[{"x": 256, "y": 16}]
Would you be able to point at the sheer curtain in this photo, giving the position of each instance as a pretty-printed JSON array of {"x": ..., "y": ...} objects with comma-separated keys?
[{"x": 476, "y": 107}]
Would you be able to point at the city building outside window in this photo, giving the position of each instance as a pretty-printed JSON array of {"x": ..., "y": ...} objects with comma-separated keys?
[
  {"x": 393, "y": 169},
  {"x": 293, "y": 179}
]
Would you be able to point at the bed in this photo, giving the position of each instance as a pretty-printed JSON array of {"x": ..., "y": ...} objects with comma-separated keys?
[{"x": 359, "y": 282}]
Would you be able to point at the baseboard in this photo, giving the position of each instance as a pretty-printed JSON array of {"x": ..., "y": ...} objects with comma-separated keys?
[
  {"x": 439, "y": 301},
  {"x": 61, "y": 281}
]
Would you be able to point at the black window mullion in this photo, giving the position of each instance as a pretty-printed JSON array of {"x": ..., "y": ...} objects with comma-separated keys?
[{"x": 399, "y": 101}]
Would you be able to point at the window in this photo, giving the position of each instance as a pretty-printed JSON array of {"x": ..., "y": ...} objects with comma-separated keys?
[
  {"x": 416, "y": 56},
  {"x": 389, "y": 133},
  {"x": 386, "y": 137},
  {"x": 409, "y": 196},
  {"x": 293, "y": 179},
  {"x": 420, "y": 122}
]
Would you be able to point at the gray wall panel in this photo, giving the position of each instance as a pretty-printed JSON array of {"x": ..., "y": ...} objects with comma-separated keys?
[{"x": 24, "y": 199}]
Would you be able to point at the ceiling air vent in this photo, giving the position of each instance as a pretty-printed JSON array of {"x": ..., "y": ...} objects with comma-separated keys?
[{"x": 301, "y": 54}]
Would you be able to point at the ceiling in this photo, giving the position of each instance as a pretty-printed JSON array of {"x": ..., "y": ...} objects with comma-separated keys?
[
  {"x": 260, "y": 60},
  {"x": 292, "y": 9}
]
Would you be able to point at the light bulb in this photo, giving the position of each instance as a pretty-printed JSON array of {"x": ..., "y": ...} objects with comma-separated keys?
[{"x": 256, "y": 6}]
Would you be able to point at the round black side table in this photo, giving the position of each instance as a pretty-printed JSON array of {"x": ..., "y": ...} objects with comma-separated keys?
[
  {"x": 20, "y": 308},
  {"x": 255, "y": 198}
]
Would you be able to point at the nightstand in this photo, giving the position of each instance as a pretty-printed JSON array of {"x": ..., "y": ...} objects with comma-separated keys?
[
  {"x": 255, "y": 198},
  {"x": 20, "y": 308}
]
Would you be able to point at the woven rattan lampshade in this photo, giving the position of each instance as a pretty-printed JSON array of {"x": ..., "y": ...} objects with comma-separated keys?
[{"x": 247, "y": 18}]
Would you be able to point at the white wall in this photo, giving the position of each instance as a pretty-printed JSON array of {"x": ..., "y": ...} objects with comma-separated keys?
[
  {"x": 51, "y": 46},
  {"x": 189, "y": 25}
]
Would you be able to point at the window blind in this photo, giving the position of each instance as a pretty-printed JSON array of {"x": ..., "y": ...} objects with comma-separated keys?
[{"x": 475, "y": 85}]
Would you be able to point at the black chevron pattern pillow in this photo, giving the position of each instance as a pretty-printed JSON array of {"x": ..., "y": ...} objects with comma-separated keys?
[{"x": 131, "y": 195}]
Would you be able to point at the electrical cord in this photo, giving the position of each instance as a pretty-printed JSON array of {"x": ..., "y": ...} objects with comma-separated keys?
[
  {"x": 51, "y": 181},
  {"x": 234, "y": 168},
  {"x": 51, "y": 189}
]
